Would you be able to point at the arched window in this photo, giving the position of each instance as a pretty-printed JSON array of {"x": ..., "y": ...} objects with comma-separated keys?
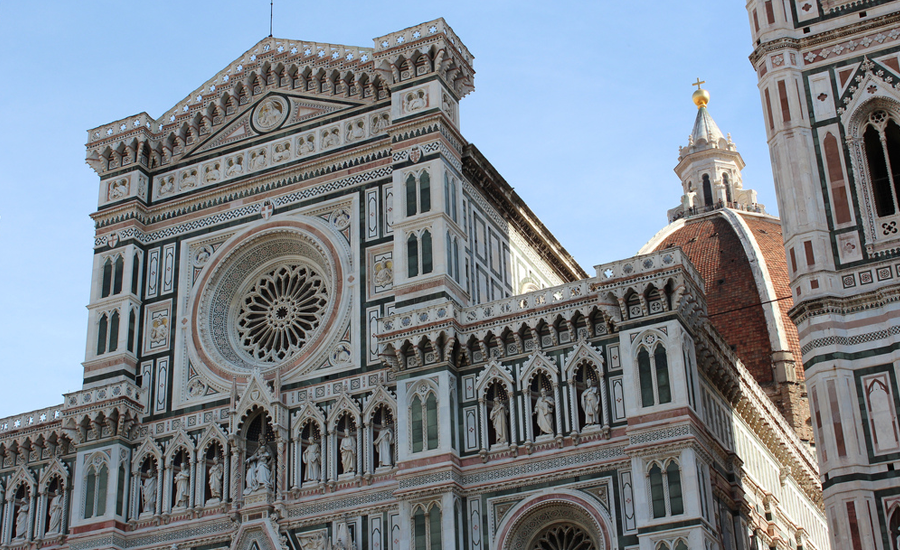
[
  {"x": 450, "y": 256},
  {"x": 411, "y": 194},
  {"x": 453, "y": 199},
  {"x": 114, "y": 331},
  {"x": 132, "y": 322},
  {"x": 882, "y": 146},
  {"x": 673, "y": 480},
  {"x": 681, "y": 545},
  {"x": 424, "y": 192},
  {"x": 102, "y": 331},
  {"x": 106, "y": 281},
  {"x": 135, "y": 273},
  {"x": 117, "y": 275},
  {"x": 653, "y": 371},
  {"x": 727, "y": 184},
  {"x": 95, "y": 483},
  {"x": 657, "y": 492},
  {"x": 665, "y": 489},
  {"x": 456, "y": 259},
  {"x": 427, "y": 259},
  {"x": 424, "y": 422},
  {"x": 412, "y": 256},
  {"x": 707, "y": 191},
  {"x": 427, "y": 527}
]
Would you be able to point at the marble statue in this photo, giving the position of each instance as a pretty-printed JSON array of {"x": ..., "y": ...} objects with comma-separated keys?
[
  {"x": 348, "y": 454},
  {"x": 216, "y": 473},
  {"x": 182, "y": 486},
  {"x": 498, "y": 418},
  {"x": 148, "y": 494},
  {"x": 385, "y": 442},
  {"x": 56, "y": 512},
  {"x": 590, "y": 403},
  {"x": 543, "y": 411},
  {"x": 312, "y": 456}
]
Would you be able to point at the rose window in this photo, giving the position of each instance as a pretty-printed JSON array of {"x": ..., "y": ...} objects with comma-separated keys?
[
  {"x": 563, "y": 537},
  {"x": 281, "y": 312}
]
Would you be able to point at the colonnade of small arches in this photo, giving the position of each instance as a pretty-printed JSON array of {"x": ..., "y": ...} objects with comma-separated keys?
[
  {"x": 363, "y": 81},
  {"x": 34, "y": 509}
]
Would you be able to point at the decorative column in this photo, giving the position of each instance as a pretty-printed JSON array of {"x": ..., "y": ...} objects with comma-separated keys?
[
  {"x": 368, "y": 456},
  {"x": 161, "y": 476},
  {"x": 40, "y": 511},
  {"x": 572, "y": 394},
  {"x": 281, "y": 480},
  {"x": 513, "y": 418},
  {"x": 567, "y": 403},
  {"x": 604, "y": 401},
  {"x": 359, "y": 452},
  {"x": 192, "y": 484},
  {"x": 235, "y": 476},
  {"x": 482, "y": 423},
  {"x": 226, "y": 472},
  {"x": 32, "y": 499},
  {"x": 557, "y": 394},
  {"x": 331, "y": 468}
]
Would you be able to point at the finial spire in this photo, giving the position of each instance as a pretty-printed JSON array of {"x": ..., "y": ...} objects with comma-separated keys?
[
  {"x": 701, "y": 96},
  {"x": 271, "y": 18}
]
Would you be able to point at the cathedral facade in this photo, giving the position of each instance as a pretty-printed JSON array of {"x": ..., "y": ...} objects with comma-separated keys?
[
  {"x": 321, "y": 319},
  {"x": 828, "y": 79}
]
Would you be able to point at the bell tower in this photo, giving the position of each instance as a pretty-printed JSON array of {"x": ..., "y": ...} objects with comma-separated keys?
[{"x": 828, "y": 73}]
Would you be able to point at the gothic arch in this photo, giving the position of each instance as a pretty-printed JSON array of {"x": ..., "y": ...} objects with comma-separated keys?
[
  {"x": 494, "y": 372},
  {"x": 528, "y": 520},
  {"x": 582, "y": 353},
  {"x": 56, "y": 470},
  {"x": 539, "y": 363},
  {"x": 381, "y": 396}
]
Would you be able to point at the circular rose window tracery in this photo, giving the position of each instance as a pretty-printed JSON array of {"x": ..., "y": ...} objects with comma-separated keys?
[{"x": 280, "y": 312}]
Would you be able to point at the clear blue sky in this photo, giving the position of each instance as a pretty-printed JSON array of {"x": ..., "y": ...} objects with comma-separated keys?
[{"x": 580, "y": 105}]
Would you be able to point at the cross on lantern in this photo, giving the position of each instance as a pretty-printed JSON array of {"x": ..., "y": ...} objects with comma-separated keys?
[{"x": 698, "y": 83}]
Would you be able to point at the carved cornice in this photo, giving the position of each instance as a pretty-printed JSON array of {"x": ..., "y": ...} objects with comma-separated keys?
[{"x": 839, "y": 305}]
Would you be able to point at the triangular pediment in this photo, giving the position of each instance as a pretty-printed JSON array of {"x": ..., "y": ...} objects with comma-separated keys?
[{"x": 290, "y": 110}]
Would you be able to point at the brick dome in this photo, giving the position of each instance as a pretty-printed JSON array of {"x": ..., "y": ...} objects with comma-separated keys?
[{"x": 740, "y": 256}]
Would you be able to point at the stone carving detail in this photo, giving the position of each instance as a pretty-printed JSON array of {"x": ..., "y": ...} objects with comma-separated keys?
[
  {"x": 280, "y": 312},
  {"x": 118, "y": 189},
  {"x": 259, "y": 473},
  {"x": 166, "y": 186},
  {"x": 331, "y": 138},
  {"x": 270, "y": 113},
  {"x": 380, "y": 123},
  {"x": 356, "y": 130},
  {"x": 415, "y": 101},
  {"x": 307, "y": 145},
  {"x": 188, "y": 179},
  {"x": 211, "y": 173},
  {"x": 235, "y": 166},
  {"x": 282, "y": 152},
  {"x": 384, "y": 272},
  {"x": 258, "y": 159}
]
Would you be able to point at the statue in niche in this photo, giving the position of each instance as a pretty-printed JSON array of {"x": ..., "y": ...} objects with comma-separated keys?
[
  {"x": 182, "y": 486},
  {"x": 22, "y": 519},
  {"x": 590, "y": 403},
  {"x": 498, "y": 419},
  {"x": 348, "y": 454},
  {"x": 250, "y": 483},
  {"x": 56, "y": 512},
  {"x": 235, "y": 166},
  {"x": 148, "y": 494},
  {"x": 282, "y": 152},
  {"x": 543, "y": 411},
  {"x": 384, "y": 442},
  {"x": 312, "y": 456},
  {"x": 212, "y": 173},
  {"x": 216, "y": 473},
  {"x": 263, "y": 470}
]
